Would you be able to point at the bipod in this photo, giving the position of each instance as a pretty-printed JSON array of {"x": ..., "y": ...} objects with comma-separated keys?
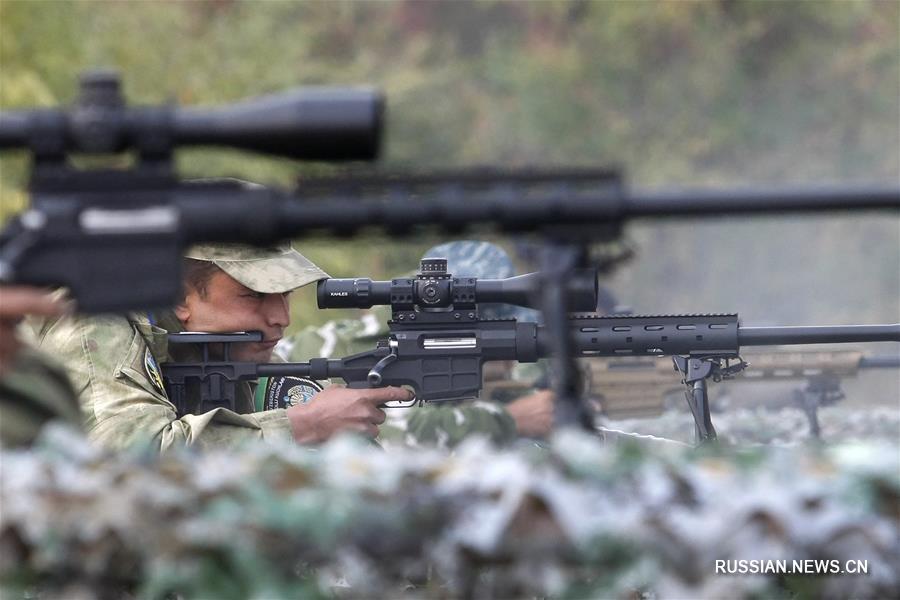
[
  {"x": 695, "y": 371},
  {"x": 821, "y": 390}
]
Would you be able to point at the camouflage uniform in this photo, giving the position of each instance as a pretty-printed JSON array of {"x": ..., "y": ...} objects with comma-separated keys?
[
  {"x": 113, "y": 362},
  {"x": 443, "y": 424},
  {"x": 34, "y": 392}
]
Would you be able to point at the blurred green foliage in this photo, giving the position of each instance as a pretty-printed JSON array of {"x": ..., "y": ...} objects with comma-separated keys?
[{"x": 721, "y": 92}]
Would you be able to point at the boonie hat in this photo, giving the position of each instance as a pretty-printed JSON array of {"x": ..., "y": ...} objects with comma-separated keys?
[{"x": 267, "y": 270}]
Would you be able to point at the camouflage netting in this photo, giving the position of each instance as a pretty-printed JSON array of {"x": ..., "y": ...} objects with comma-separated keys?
[{"x": 577, "y": 519}]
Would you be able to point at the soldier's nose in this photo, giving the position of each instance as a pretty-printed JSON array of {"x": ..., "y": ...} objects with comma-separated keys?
[{"x": 277, "y": 310}]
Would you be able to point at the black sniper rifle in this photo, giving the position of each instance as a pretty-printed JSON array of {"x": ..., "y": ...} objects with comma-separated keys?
[
  {"x": 438, "y": 343},
  {"x": 115, "y": 238}
]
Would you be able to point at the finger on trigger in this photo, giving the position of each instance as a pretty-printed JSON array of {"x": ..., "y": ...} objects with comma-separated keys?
[
  {"x": 399, "y": 393},
  {"x": 378, "y": 396}
]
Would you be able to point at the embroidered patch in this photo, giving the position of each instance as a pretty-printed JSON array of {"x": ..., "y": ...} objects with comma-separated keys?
[
  {"x": 283, "y": 392},
  {"x": 153, "y": 373}
]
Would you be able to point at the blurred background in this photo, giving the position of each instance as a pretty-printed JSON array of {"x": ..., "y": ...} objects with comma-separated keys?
[{"x": 716, "y": 93}]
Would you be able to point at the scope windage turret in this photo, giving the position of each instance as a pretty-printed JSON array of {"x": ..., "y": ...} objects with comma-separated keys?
[
  {"x": 434, "y": 288},
  {"x": 310, "y": 123}
]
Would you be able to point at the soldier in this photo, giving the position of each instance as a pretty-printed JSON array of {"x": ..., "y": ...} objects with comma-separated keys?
[
  {"x": 113, "y": 360},
  {"x": 33, "y": 390},
  {"x": 507, "y": 408}
]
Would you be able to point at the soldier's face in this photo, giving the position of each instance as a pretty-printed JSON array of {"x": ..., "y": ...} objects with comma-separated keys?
[{"x": 229, "y": 306}]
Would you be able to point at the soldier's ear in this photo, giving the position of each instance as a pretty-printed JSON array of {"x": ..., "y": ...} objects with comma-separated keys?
[{"x": 183, "y": 312}]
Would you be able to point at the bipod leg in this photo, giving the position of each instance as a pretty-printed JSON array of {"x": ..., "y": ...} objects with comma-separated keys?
[
  {"x": 821, "y": 390},
  {"x": 695, "y": 372},
  {"x": 809, "y": 402},
  {"x": 704, "y": 429}
]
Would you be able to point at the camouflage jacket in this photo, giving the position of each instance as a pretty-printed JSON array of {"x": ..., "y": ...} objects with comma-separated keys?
[
  {"x": 444, "y": 425},
  {"x": 34, "y": 392},
  {"x": 113, "y": 362}
]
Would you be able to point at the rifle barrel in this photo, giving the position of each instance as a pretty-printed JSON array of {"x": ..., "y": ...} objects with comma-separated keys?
[
  {"x": 768, "y": 200},
  {"x": 456, "y": 210},
  {"x": 841, "y": 334},
  {"x": 881, "y": 361},
  {"x": 588, "y": 194}
]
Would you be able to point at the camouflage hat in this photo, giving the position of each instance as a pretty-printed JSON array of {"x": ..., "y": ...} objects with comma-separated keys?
[
  {"x": 268, "y": 270},
  {"x": 473, "y": 258}
]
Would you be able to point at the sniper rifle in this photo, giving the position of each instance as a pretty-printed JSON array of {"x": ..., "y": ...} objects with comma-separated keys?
[{"x": 437, "y": 343}]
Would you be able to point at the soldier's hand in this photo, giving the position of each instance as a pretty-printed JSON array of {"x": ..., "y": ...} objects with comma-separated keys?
[
  {"x": 533, "y": 413},
  {"x": 16, "y": 301},
  {"x": 337, "y": 409}
]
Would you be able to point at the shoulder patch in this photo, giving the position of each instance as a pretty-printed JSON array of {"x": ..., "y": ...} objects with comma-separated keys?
[
  {"x": 152, "y": 370},
  {"x": 283, "y": 392}
]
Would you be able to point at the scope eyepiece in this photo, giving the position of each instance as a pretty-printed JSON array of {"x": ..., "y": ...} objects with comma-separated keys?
[{"x": 352, "y": 293}]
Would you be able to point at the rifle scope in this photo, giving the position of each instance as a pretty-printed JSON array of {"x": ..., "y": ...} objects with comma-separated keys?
[
  {"x": 310, "y": 123},
  {"x": 434, "y": 289}
]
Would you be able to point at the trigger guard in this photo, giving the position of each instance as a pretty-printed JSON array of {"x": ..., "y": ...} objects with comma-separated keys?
[{"x": 401, "y": 404}]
